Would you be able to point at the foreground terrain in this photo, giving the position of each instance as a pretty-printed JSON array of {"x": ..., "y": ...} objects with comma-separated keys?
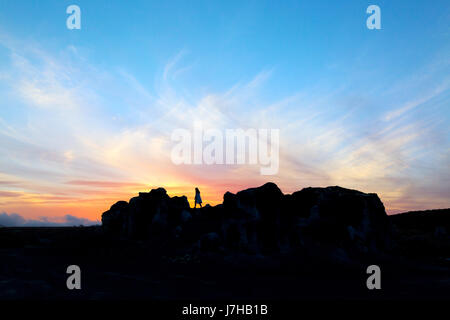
[{"x": 235, "y": 251}]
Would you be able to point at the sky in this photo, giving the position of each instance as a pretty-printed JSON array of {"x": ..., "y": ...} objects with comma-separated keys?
[{"x": 86, "y": 115}]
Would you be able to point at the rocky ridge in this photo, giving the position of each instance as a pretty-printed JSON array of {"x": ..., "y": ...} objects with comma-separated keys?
[{"x": 259, "y": 220}]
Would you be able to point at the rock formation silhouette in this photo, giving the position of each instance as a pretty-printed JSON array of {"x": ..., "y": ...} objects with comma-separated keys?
[{"x": 258, "y": 220}]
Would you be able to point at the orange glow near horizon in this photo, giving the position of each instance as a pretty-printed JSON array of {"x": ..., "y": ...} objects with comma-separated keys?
[{"x": 92, "y": 205}]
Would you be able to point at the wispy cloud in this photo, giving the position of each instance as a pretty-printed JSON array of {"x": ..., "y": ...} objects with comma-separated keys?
[
  {"x": 169, "y": 69},
  {"x": 392, "y": 114},
  {"x": 105, "y": 184}
]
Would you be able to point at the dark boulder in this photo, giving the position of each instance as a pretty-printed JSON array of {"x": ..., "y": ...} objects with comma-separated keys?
[
  {"x": 114, "y": 220},
  {"x": 252, "y": 217},
  {"x": 340, "y": 216},
  {"x": 148, "y": 214}
]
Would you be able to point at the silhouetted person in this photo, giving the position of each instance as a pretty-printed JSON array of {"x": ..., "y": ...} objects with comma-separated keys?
[{"x": 198, "y": 199}]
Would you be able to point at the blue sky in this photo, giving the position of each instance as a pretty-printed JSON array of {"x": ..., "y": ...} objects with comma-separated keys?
[{"x": 84, "y": 111}]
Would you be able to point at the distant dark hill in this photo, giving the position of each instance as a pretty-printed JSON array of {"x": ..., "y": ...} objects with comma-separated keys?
[
  {"x": 334, "y": 220},
  {"x": 423, "y": 233},
  {"x": 427, "y": 220}
]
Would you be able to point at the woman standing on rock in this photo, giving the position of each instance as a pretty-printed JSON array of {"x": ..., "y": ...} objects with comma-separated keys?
[{"x": 198, "y": 199}]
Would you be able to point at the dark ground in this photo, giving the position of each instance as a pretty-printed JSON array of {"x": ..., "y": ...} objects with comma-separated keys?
[{"x": 34, "y": 261}]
